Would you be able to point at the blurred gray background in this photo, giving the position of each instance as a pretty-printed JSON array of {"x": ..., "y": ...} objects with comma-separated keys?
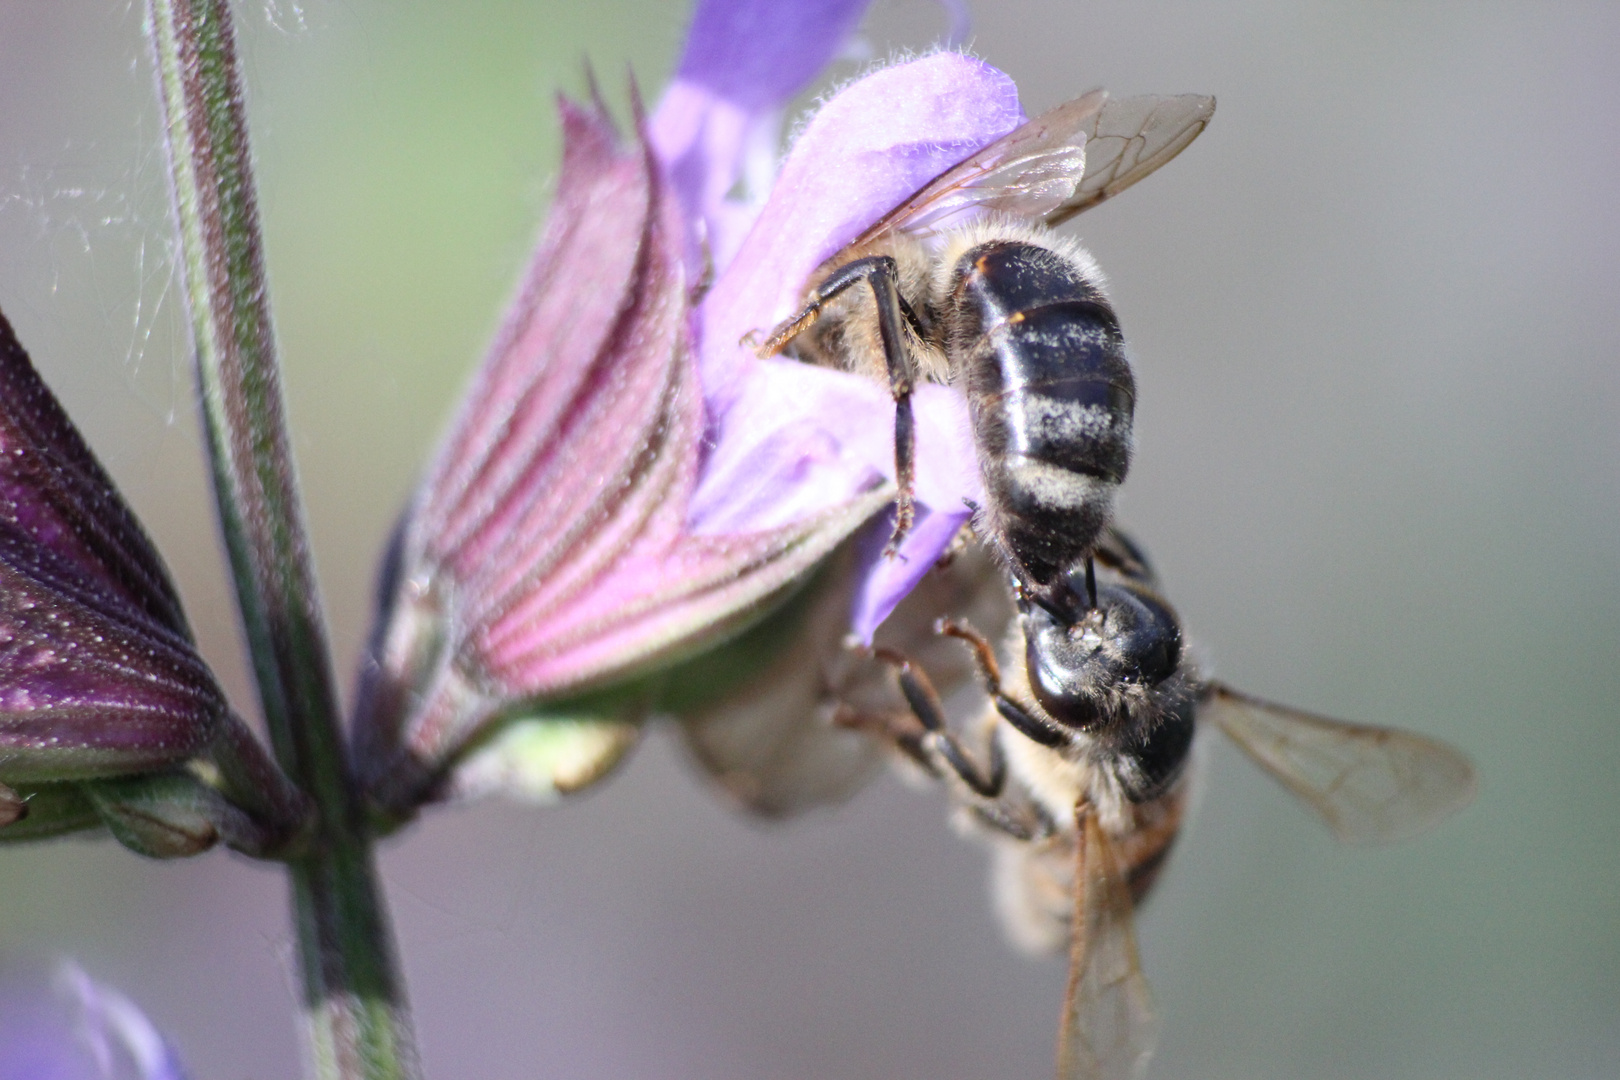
[{"x": 1374, "y": 318}]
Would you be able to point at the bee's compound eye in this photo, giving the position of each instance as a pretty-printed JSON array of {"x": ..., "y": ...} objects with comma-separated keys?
[
  {"x": 1142, "y": 634},
  {"x": 1063, "y": 663}
]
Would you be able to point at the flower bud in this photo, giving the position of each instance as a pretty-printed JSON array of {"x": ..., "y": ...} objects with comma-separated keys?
[
  {"x": 100, "y": 678},
  {"x": 627, "y": 484},
  {"x": 98, "y": 672}
]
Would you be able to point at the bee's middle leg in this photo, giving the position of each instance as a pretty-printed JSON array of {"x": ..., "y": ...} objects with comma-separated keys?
[{"x": 987, "y": 781}]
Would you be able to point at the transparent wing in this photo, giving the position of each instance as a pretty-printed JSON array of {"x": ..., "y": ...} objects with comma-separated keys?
[
  {"x": 1108, "y": 1023},
  {"x": 1130, "y": 138},
  {"x": 1069, "y": 158},
  {"x": 1030, "y": 171},
  {"x": 1372, "y": 785}
]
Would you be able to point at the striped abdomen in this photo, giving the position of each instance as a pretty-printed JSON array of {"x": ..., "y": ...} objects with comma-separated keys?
[{"x": 1051, "y": 397}]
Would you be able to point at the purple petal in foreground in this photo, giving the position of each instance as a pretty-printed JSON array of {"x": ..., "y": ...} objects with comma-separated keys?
[
  {"x": 868, "y": 148},
  {"x": 81, "y": 1030}
]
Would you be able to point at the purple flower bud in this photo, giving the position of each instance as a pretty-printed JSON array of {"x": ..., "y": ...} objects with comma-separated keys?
[
  {"x": 98, "y": 672},
  {"x": 78, "y": 1030},
  {"x": 103, "y": 695}
]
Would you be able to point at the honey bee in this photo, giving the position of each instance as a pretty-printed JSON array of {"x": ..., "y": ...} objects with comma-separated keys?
[
  {"x": 966, "y": 283},
  {"x": 1084, "y": 780}
]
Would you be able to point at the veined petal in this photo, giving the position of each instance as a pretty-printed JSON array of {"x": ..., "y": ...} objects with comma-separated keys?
[
  {"x": 718, "y": 122},
  {"x": 55, "y": 496},
  {"x": 85, "y": 694}
]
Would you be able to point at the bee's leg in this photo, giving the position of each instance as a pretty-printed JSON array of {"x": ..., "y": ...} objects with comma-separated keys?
[
  {"x": 894, "y": 316},
  {"x": 1035, "y": 728},
  {"x": 851, "y": 273},
  {"x": 898, "y": 358},
  {"x": 1116, "y": 550},
  {"x": 986, "y": 782},
  {"x": 909, "y": 739},
  {"x": 998, "y": 817}
]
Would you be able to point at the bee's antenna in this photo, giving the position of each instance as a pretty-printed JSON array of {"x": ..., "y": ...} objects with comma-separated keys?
[{"x": 1091, "y": 584}]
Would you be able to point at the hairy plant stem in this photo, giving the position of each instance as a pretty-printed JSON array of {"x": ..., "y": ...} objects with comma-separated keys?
[{"x": 359, "y": 1026}]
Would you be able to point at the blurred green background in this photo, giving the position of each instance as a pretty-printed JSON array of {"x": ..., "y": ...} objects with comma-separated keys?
[{"x": 1373, "y": 312}]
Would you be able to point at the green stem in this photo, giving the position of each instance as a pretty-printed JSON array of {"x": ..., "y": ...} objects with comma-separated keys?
[{"x": 353, "y": 995}]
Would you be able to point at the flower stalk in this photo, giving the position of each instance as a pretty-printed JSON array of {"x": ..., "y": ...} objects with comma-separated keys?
[{"x": 354, "y": 999}]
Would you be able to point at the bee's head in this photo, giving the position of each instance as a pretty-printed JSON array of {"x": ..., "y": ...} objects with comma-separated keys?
[{"x": 1078, "y": 670}]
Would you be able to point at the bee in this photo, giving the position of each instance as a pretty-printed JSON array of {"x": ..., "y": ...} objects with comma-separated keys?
[
  {"x": 966, "y": 283},
  {"x": 1081, "y": 778}
]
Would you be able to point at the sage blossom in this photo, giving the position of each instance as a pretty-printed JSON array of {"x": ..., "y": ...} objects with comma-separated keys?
[{"x": 627, "y": 485}]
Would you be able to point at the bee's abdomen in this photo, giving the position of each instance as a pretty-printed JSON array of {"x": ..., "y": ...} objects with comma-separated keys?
[{"x": 1051, "y": 396}]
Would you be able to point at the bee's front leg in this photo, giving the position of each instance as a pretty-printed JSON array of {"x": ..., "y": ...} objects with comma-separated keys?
[{"x": 894, "y": 316}]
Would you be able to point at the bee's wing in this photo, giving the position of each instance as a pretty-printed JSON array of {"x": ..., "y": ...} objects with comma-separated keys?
[
  {"x": 1130, "y": 138},
  {"x": 1108, "y": 1023},
  {"x": 1069, "y": 158},
  {"x": 1370, "y": 784},
  {"x": 1029, "y": 172}
]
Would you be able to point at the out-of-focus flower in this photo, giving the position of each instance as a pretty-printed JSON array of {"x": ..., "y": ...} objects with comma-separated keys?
[
  {"x": 78, "y": 1029},
  {"x": 101, "y": 685},
  {"x": 627, "y": 485},
  {"x": 783, "y": 719}
]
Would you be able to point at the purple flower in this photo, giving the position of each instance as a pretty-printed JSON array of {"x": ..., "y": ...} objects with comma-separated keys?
[
  {"x": 98, "y": 672},
  {"x": 549, "y": 551},
  {"x": 626, "y": 484},
  {"x": 78, "y": 1030},
  {"x": 869, "y": 147},
  {"x": 103, "y": 696}
]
